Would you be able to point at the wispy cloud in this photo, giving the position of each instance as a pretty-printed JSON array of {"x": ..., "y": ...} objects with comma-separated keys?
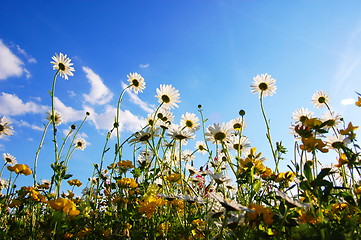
[
  {"x": 26, "y": 124},
  {"x": 12, "y": 105},
  {"x": 10, "y": 64},
  {"x": 99, "y": 93},
  {"x": 136, "y": 100},
  {"x": 28, "y": 57},
  {"x": 144, "y": 65}
]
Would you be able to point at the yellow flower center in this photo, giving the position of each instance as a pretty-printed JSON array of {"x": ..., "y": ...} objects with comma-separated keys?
[
  {"x": 263, "y": 86},
  {"x": 220, "y": 136}
]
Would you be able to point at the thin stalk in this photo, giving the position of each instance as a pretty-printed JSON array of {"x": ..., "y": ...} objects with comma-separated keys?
[{"x": 38, "y": 151}]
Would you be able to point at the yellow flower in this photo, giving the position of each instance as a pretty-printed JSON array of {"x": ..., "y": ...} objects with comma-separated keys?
[
  {"x": 342, "y": 160},
  {"x": 74, "y": 182},
  {"x": 307, "y": 217},
  {"x": 349, "y": 131},
  {"x": 338, "y": 207},
  {"x": 125, "y": 164},
  {"x": 20, "y": 168},
  {"x": 260, "y": 213},
  {"x": 358, "y": 190},
  {"x": 311, "y": 144},
  {"x": 358, "y": 103},
  {"x": 127, "y": 183},
  {"x": 148, "y": 206},
  {"x": 66, "y": 205},
  {"x": 15, "y": 203},
  {"x": 174, "y": 177}
]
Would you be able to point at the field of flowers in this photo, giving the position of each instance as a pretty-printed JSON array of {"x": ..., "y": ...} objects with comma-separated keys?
[{"x": 160, "y": 194}]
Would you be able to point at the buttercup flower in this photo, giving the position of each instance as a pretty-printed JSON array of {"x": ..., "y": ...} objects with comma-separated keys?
[
  {"x": 5, "y": 127},
  {"x": 264, "y": 85},
  {"x": 80, "y": 143},
  {"x": 301, "y": 114},
  {"x": 218, "y": 132},
  {"x": 136, "y": 81},
  {"x": 190, "y": 121},
  {"x": 9, "y": 159},
  {"x": 63, "y": 64},
  {"x": 320, "y": 99},
  {"x": 168, "y": 95},
  {"x": 58, "y": 118}
]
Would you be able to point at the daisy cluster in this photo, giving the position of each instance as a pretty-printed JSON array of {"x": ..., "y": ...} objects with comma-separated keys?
[{"x": 219, "y": 188}]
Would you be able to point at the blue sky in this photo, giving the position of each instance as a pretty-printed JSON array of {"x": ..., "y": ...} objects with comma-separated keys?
[{"x": 208, "y": 50}]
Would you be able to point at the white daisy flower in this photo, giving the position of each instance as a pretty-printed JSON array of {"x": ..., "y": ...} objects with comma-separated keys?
[
  {"x": 332, "y": 119},
  {"x": 187, "y": 155},
  {"x": 136, "y": 81},
  {"x": 238, "y": 124},
  {"x": 63, "y": 64},
  {"x": 201, "y": 146},
  {"x": 80, "y": 143},
  {"x": 218, "y": 132},
  {"x": 239, "y": 143},
  {"x": 190, "y": 121},
  {"x": 336, "y": 142},
  {"x": 179, "y": 133},
  {"x": 168, "y": 95},
  {"x": 9, "y": 159},
  {"x": 302, "y": 114},
  {"x": 264, "y": 85},
  {"x": 5, "y": 127},
  {"x": 320, "y": 99},
  {"x": 58, "y": 119}
]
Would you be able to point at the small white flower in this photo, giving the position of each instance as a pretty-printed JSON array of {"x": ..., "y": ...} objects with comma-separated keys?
[
  {"x": 136, "y": 81},
  {"x": 80, "y": 143},
  {"x": 168, "y": 96},
  {"x": 63, "y": 64}
]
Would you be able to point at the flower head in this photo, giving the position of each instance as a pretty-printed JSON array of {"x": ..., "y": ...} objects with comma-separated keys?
[
  {"x": 80, "y": 143},
  {"x": 217, "y": 132},
  {"x": 320, "y": 99},
  {"x": 58, "y": 118},
  {"x": 9, "y": 159},
  {"x": 201, "y": 146},
  {"x": 63, "y": 64},
  {"x": 136, "y": 81},
  {"x": 238, "y": 124},
  {"x": 5, "y": 127},
  {"x": 264, "y": 85},
  {"x": 190, "y": 121},
  {"x": 331, "y": 119},
  {"x": 239, "y": 143},
  {"x": 168, "y": 95},
  {"x": 302, "y": 114},
  {"x": 179, "y": 133}
]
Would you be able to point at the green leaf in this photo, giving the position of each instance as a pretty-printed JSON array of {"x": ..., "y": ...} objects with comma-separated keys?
[{"x": 308, "y": 171}]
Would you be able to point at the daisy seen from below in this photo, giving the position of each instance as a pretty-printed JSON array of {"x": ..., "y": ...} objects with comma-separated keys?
[
  {"x": 58, "y": 118},
  {"x": 238, "y": 124},
  {"x": 5, "y": 127},
  {"x": 240, "y": 144},
  {"x": 178, "y": 133},
  {"x": 320, "y": 99},
  {"x": 336, "y": 142},
  {"x": 9, "y": 159},
  {"x": 218, "y": 132},
  {"x": 302, "y": 114},
  {"x": 168, "y": 96},
  {"x": 332, "y": 119},
  {"x": 201, "y": 146},
  {"x": 187, "y": 155},
  {"x": 264, "y": 85},
  {"x": 190, "y": 121},
  {"x": 80, "y": 143},
  {"x": 136, "y": 82},
  {"x": 63, "y": 64}
]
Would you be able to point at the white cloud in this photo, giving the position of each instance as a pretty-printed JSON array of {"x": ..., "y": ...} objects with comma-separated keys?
[
  {"x": 348, "y": 101},
  {"x": 105, "y": 120},
  {"x": 144, "y": 65},
  {"x": 99, "y": 93},
  {"x": 11, "y": 105},
  {"x": 10, "y": 64},
  {"x": 136, "y": 100},
  {"x": 69, "y": 114},
  {"x": 71, "y": 93}
]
